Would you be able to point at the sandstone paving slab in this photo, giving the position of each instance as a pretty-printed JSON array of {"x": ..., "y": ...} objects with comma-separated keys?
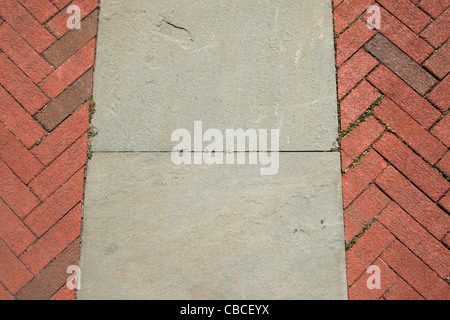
[
  {"x": 155, "y": 230},
  {"x": 267, "y": 64}
]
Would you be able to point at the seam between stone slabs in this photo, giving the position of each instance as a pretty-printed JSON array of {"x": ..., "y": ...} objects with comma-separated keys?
[{"x": 301, "y": 151}]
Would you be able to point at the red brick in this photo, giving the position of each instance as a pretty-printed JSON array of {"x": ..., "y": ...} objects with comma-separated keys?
[
  {"x": 13, "y": 274},
  {"x": 416, "y": 238},
  {"x": 22, "y": 54},
  {"x": 70, "y": 71},
  {"x": 361, "y": 137},
  {"x": 405, "y": 97},
  {"x": 404, "y": 38},
  {"x": 42, "y": 10},
  {"x": 18, "y": 120},
  {"x": 368, "y": 248},
  {"x": 337, "y": 2},
  {"x": 360, "y": 291},
  {"x": 352, "y": 40},
  {"x": 439, "y": 31},
  {"x": 61, "y": 169},
  {"x": 53, "y": 242},
  {"x": 446, "y": 240},
  {"x": 442, "y": 130},
  {"x": 439, "y": 63},
  {"x": 13, "y": 232},
  {"x": 348, "y": 11},
  {"x": 346, "y": 160},
  {"x": 15, "y": 193},
  {"x": 57, "y": 205},
  {"x": 17, "y": 157},
  {"x": 58, "y": 24},
  {"x": 63, "y": 136},
  {"x": 26, "y": 25},
  {"x": 74, "y": 96},
  {"x": 434, "y": 7},
  {"x": 4, "y": 295},
  {"x": 400, "y": 290},
  {"x": 400, "y": 63},
  {"x": 53, "y": 277},
  {"x": 20, "y": 86},
  {"x": 74, "y": 40},
  {"x": 444, "y": 164},
  {"x": 367, "y": 206},
  {"x": 413, "y": 201},
  {"x": 60, "y": 3},
  {"x": 405, "y": 160},
  {"x": 408, "y": 13},
  {"x": 445, "y": 203},
  {"x": 358, "y": 178},
  {"x": 440, "y": 96},
  {"x": 406, "y": 128},
  {"x": 357, "y": 102},
  {"x": 64, "y": 294},
  {"x": 356, "y": 68},
  {"x": 416, "y": 273}
]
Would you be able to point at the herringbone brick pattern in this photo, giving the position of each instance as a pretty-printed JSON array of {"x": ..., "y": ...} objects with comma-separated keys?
[
  {"x": 46, "y": 73},
  {"x": 393, "y": 89}
]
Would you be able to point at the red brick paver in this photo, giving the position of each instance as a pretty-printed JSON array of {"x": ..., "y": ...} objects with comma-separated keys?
[
  {"x": 395, "y": 157},
  {"x": 45, "y": 84}
]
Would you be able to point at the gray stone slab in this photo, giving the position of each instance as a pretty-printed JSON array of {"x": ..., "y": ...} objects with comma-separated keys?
[
  {"x": 233, "y": 64},
  {"x": 154, "y": 230}
]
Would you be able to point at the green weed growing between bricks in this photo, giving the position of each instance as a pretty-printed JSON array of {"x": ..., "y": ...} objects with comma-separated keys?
[
  {"x": 360, "y": 234},
  {"x": 92, "y": 132},
  {"x": 362, "y": 118}
]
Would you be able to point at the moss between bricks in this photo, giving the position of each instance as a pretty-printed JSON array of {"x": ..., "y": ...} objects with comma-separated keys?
[
  {"x": 439, "y": 120},
  {"x": 360, "y": 234},
  {"x": 362, "y": 118},
  {"x": 92, "y": 132}
]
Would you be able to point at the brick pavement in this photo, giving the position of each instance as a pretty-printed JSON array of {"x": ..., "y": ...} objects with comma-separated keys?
[
  {"x": 46, "y": 74},
  {"x": 393, "y": 89}
]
